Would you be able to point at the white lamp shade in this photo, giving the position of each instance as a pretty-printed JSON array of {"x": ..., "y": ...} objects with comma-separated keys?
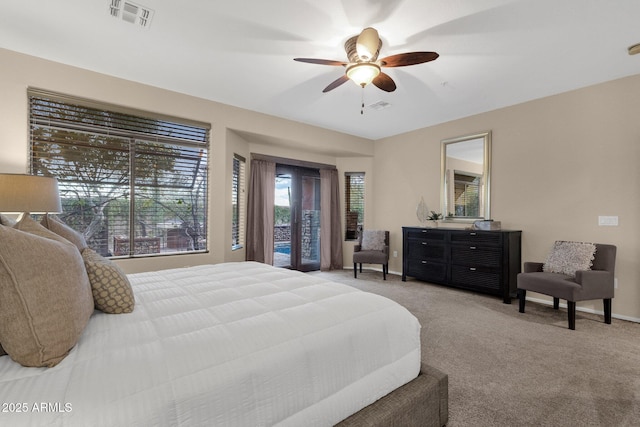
[{"x": 29, "y": 193}]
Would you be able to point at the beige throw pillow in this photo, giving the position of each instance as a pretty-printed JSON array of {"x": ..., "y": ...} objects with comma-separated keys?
[
  {"x": 29, "y": 225},
  {"x": 45, "y": 297},
  {"x": 63, "y": 230},
  {"x": 110, "y": 286}
]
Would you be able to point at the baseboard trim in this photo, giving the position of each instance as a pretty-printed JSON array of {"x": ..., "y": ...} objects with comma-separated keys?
[
  {"x": 538, "y": 300},
  {"x": 586, "y": 310}
]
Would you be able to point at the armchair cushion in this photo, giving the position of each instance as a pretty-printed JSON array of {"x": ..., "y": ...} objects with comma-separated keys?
[
  {"x": 569, "y": 257},
  {"x": 373, "y": 240}
]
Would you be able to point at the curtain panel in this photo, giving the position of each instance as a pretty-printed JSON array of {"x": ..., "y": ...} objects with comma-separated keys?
[
  {"x": 330, "y": 221},
  {"x": 260, "y": 205}
]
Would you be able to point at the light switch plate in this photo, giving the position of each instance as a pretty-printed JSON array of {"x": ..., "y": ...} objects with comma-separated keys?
[{"x": 610, "y": 221}]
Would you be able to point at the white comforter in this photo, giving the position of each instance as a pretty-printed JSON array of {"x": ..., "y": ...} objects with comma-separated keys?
[{"x": 236, "y": 344}]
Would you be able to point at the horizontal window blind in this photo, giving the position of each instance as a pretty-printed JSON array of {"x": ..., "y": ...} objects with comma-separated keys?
[
  {"x": 354, "y": 203},
  {"x": 238, "y": 202},
  {"x": 133, "y": 185},
  {"x": 466, "y": 194}
]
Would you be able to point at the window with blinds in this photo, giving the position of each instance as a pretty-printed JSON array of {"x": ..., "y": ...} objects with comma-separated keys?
[
  {"x": 467, "y": 194},
  {"x": 133, "y": 183},
  {"x": 354, "y": 203},
  {"x": 237, "y": 202}
]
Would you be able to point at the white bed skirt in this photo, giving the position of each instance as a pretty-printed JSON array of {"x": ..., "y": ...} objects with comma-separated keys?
[{"x": 234, "y": 344}]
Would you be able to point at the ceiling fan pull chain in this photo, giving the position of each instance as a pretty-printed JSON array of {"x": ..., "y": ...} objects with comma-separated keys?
[{"x": 362, "y": 107}]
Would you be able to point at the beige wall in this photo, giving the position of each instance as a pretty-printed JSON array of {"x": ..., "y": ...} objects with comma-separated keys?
[
  {"x": 232, "y": 130},
  {"x": 558, "y": 162}
]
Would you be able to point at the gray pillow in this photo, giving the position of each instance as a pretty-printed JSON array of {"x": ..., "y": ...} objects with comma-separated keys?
[
  {"x": 5, "y": 220},
  {"x": 569, "y": 257},
  {"x": 373, "y": 240}
]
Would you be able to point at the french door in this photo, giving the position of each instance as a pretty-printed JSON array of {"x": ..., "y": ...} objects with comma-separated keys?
[{"x": 297, "y": 218}]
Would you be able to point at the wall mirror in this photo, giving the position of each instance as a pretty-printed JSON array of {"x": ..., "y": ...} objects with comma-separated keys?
[{"x": 465, "y": 177}]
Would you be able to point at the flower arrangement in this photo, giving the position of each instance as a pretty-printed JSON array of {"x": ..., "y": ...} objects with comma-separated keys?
[{"x": 434, "y": 216}]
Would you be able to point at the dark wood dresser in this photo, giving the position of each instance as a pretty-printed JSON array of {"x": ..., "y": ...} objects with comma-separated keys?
[{"x": 484, "y": 261}]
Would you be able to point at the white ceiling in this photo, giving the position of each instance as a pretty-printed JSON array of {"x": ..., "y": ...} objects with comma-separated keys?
[{"x": 493, "y": 53}]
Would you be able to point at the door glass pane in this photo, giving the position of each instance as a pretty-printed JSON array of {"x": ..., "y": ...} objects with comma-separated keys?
[
  {"x": 282, "y": 221},
  {"x": 310, "y": 222}
]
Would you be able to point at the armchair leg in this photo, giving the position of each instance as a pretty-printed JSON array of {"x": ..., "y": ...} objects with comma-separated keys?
[
  {"x": 360, "y": 267},
  {"x": 556, "y": 303},
  {"x": 607, "y": 311},
  {"x": 571, "y": 310},
  {"x": 384, "y": 271},
  {"x": 522, "y": 295},
  {"x": 355, "y": 270}
]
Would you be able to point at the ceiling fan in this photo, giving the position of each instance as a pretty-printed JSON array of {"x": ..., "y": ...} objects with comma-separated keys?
[{"x": 364, "y": 67}]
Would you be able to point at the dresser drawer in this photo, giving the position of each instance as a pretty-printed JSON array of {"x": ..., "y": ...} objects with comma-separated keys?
[
  {"x": 426, "y": 233},
  {"x": 475, "y": 278},
  {"x": 477, "y": 238},
  {"x": 478, "y": 256},
  {"x": 428, "y": 271},
  {"x": 426, "y": 249}
]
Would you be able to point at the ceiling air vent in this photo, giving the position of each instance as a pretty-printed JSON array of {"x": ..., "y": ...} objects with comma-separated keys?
[
  {"x": 380, "y": 105},
  {"x": 131, "y": 12}
]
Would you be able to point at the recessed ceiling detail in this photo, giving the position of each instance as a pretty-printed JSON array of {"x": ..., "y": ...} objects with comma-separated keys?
[{"x": 131, "y": 12}]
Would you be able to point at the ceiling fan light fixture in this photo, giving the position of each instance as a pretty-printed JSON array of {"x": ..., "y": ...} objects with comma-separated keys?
[{"x": 363, "y": 73}]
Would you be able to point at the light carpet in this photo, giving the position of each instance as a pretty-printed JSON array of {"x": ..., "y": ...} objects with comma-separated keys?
[{"x": 511, "y": 369}]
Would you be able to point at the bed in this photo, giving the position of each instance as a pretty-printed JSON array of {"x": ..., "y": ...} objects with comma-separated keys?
[{"x": 235, "y": 344}]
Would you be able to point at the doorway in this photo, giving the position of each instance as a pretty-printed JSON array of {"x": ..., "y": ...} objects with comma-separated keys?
[{"x": 297, "y": 218}]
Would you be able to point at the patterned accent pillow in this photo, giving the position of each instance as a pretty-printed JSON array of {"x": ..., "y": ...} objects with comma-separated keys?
[
  {"x": 373, "y": 240},
  {"x": 569, "y": 257},
  {"x": 110, "y": 286}
]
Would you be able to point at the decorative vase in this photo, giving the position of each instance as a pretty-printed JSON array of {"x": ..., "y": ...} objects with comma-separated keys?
[{"x": 422, "y": 212}]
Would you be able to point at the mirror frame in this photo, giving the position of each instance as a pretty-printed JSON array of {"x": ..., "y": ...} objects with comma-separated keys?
[{"x": 486, "y": 172}]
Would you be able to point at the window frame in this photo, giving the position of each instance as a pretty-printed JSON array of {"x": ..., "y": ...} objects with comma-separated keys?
[
  {"x": 354, "y": 201},
  {"x": 238, "y": 202},
  {"x": 142, "y": 139}
]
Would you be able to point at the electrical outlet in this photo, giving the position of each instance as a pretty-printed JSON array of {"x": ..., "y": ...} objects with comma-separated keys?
[
  {"x": 610, "y": 221},
  {"x": 395, "y": 254}
]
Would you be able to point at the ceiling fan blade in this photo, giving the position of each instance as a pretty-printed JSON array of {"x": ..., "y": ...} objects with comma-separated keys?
[
  {"x": 384, "y": 82},
  {"x": 336, "y": 83},
  {"x": 409, "y": 58},
  {"x": 320, "y": 61}
]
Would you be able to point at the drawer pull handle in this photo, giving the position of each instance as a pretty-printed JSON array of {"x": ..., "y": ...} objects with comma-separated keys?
[
  {"x": 472, "y": 247},
  {"x": 472, "y": 234},
  {"x": 424, "y": 262},
  {"x": 424, "y": 243},
  {"x": 472, "y": 268}
]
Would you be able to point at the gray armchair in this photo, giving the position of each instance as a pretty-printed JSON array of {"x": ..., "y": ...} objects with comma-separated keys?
[
  {"x": 596, "y": 283},
  {"x": 372, "y": 248}
]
